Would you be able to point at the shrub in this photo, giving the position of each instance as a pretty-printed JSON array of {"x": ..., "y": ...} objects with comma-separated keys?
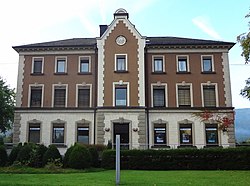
[
  {"x": 24, "y": 154},
  {"x": 36, "y": 156},
  {"x": 66, "y": 157},
  {"x": 94, "y": 156},
  {"x": 51, "y": 154},
  {"x": 79, "y": 158},
  {"x": 14, "y": 152},
  {"x": 181, "y": 159},
  {"x": 3, "y": 156}
]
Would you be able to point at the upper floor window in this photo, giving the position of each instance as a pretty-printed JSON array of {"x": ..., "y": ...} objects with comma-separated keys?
[
  {"x": 158, "y": 64},
  {"x": 37, "y": 65},
  {"x": 121, "y": 62},
  {"x": 61, "y": 65},
  {"x": 207, "y": 64},
  {"x": 83, "y": 96},
  {"x": 60, "y": 93},
  {"x": 184, "y": 95},
  {"x": 84, "y": 64},
  {"x": 182, "y": 64},
  {"x": 36, "y": 93},
  {"x": 209, "y": 95},
  {"x": 159, "y": 96},
  {"x": 121, "y": 96}
]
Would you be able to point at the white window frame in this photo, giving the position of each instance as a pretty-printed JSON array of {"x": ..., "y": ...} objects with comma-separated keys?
[
  {"x": 115, "y": 84},
  {"x": 177, "y": 63},
  {"x": 53, "y": 91},
  {"x": 90, "y": 92},
  {"x": 33, "y": 61},
  {"x": 153, "y": 63},
  {"x": 212, "y": 63},
  {"x": 216, "y": 93},
  {"x": 126, "y": 62},
  {"x": 65, "y": 65},
  {"x": 29, "y": 96},
  {"x": 191, "y": 92},
  {"x": 192, "y": 132},
  {"x": 62, "y": 123},
  {"x": 79, "y": 63},
  {"x": 152, "y": 92}
]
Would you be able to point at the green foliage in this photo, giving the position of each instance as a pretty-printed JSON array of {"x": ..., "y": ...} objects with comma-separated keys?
[
  {"x": 24, "y": 154},
  {"x": 7, "y": 102},
  {"x": 14, "y": 152},
  {"x": 54, "y": 165},
  {"x": 80, "y": 157},
  {"x": 3, "y": 156},
  {"x": 66, "y": 157},
  {"x": 51, "y": 154},
  {"x": 181, "y": 159},
  {"x": 36, "y": 156},
  {"x": 245, "y": 92},
  {"x": 94, "y": 156}
]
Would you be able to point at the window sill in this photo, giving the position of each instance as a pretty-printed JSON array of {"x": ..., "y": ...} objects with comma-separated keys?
[
  {"x": 120, "y": 71},
  {"x": 157, "y": 73},
  {"x": 36, "y": 74},
  {"x": 186, "y": 146},
  {"x": 183, "y": 72},
  {"x": 213, "y": 146},
  {"x": 208, "y": 72},
  {"x": 160, "y": 146},
  {"x": 60, "y": 73},
  {"x": 84, "y": 73},
  {"x": 59, "y": 145}
]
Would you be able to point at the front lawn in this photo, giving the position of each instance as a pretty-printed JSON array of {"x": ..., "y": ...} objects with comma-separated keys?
[{"x": 128, "y": 177}]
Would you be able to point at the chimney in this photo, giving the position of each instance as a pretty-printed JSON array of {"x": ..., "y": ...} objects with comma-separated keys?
[{"x": 103, "y": 28}]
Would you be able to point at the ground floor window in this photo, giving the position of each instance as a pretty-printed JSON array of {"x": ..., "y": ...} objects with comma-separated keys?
[
  {"x": 58, "y": 134},
  {"x": 34, "y": 133},
  {"x": 83, "y": 135},
  {"x": 211, "y": 134},
  {"x": 186, "y": 134},
  {"x": 160, "y": 134}
]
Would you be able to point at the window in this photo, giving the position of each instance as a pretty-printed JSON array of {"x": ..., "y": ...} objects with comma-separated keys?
[
  {"x": 160, "y": 134},
  {"x": 35, "y": 96},
  {"x": 158, "y": 64},
  {"x": 211, "y": 134},
  {"x": 186, "y": 134},
  {"x": 182, "y": 64},
  {"x": 83, "y": 135},
  {"x": 184, "y": 97},
  {"x": 61, "y": 65},
  {"x": 209, "y": 96},
  {"x": 60, "y": 96},
  {"x": 84, "y": 64},
  {"x": 37, "y": 65},
  {"x": 34, "y": 133},
  {"x": 159, "y": 96},
  {"x": 207, "y": 64},
  {"x": 83, "y": 96},
  {"x": 58, "y": 133},
  {"x": 120, "y": 96},
  {"x": 121, "y": 62}
]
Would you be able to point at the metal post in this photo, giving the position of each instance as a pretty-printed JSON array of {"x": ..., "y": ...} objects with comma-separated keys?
[{"x": 117, "y": 145}]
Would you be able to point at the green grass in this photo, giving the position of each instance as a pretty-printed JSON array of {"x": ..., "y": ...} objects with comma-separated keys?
[{"x": 128, "y": 177}]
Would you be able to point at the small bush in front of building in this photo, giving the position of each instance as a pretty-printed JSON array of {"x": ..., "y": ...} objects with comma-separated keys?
[
  {"x": 94, "y": 156},
  {"x": 80, "y": 157},
  {"x": 24, "y": 154},
  {"x": 3, "y": 156},
  {"x": 66, "y": 157},
  {"x": 51, "y": 154},
  {"x": 36, "y": 156},
  {"x": 14, "y": 152}
]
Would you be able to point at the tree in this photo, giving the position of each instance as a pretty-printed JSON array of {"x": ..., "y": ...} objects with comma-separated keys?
[
  {"x": 244, "y": 40},
  {"x": 7, "y": 103}
]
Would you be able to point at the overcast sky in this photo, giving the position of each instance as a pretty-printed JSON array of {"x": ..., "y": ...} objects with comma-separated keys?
[{"x": 33, "y": 21}]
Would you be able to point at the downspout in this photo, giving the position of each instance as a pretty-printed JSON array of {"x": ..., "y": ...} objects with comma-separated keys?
[{"x": 95, "y": 94}]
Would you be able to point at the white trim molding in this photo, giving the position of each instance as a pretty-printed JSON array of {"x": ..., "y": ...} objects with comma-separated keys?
[
  {"x": 163, "y": 62},
  {"x": 177, "y": 63},
  {"x": 226, "y": 77},
  {"x": 216, "y": 93},
  {"x": 20, "y": 78},
  {"x": 121, "y": 83},
  {"x": 152, "y": 92},
  {"x": 79, "y": 63},
  {"x": 85, "y": 86},
  {"x": 191, "y": 92},
  {"x": 35, "y": 86},
  {"x": 212, "y": 63},
  {"x": 65, "y": 65},
  {"x": 33, "y": 60},
  {"x": 59, "y": 85}
]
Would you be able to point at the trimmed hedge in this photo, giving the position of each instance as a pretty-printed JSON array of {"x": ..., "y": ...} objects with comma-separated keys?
[
  {"x": 51, "y": 154},
  {"x": 79, "y": 158},
  {"x": 14, "y": 152},
  {"x": 24, "y": 153},
  {"x": 181, "y": 159},
  {"x": 3, "y": 156}
]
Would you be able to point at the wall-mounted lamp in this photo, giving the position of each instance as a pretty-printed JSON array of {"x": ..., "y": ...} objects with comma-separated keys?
[
  {"x": 107, "y": 129},
  {"x": 135, "y": 129}
]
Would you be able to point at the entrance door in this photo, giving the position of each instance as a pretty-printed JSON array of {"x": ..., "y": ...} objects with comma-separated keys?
[{"x": 123, "y": 131}]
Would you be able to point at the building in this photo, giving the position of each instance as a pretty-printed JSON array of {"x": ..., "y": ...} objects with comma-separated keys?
[{"x": 146, "y": 89}]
